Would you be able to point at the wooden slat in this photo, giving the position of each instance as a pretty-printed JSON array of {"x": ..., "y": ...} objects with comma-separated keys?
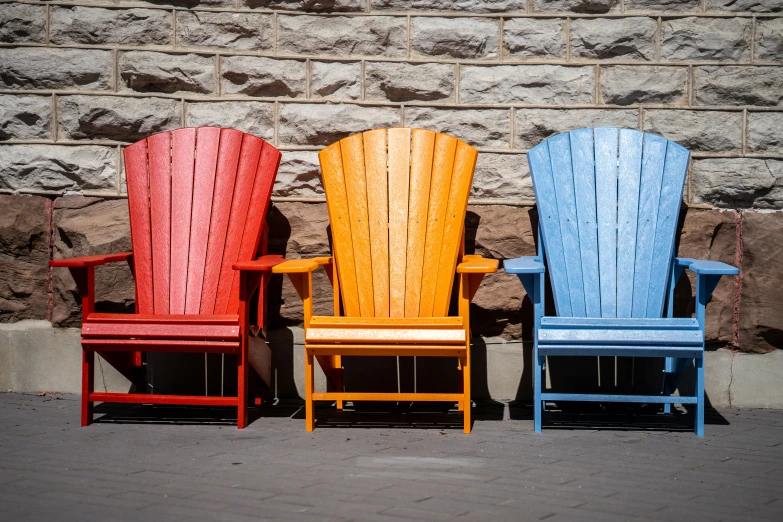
[
  {"x": 629, "y": 172},
  {"x": 390, "y": 322},
  {"x": 161, "y": 331},
  {"x": 399, "y": 182},
  {"x": 159, "y": 152},
  {"x": 207, "y": 145},
  {"x": 393, "y": 397},
  {"x": 378, "y": 215},
  {"x": 137, "y": 181},
  {"x": 583, "y": 159},
  {"x": 453, "y": 227},
  {"x": 440, "y": 183},
  {"x": 243, "y": 188},
  {"x": 422, "y": 148},
  {"x": 653, "y": 157},
  {"x": 160, "y": 345},
  {"x": 676, "y": 167},
  {"x": 356, "y": 192},
  {"x": 226, "y": 319},
  {"x": 676, "y": 323},
  {"x": 225, "y": 178},
  {"x": 385, "y": 335},
  {"x": 339, "y": 220},
  {"x": 183, "y": 154},
  {"x": 606, "y": 144},
  {"x": 148, "y": 398},
  {"x": 616, "y": 337},
  {"x": 541, "y": 172},
  {"x": 386, "y": 350},
  {"x": 260, "y": 199},
  {"x": 560, "y": 155}
]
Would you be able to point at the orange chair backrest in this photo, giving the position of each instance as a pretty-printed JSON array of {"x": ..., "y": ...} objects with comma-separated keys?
[
  {"x": 198, "y": 199},
  {"x": 397, "y": 200}
]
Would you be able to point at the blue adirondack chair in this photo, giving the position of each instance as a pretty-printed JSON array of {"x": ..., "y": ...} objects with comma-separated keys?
[{"x": 608, "y": 205}]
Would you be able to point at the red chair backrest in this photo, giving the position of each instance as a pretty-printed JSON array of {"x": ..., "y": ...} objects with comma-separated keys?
[{"x": 197, "y": 198}]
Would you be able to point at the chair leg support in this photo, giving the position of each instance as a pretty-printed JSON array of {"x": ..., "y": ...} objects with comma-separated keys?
[
  {"x": 88, "y": 378},
  {"x": 466, "y": 404},
  {"x": 242, "y": 376},
  {"x": 309, "y": 382},
  {"x": 698, "y": 425},
  {"x": 537, "y": 383}
]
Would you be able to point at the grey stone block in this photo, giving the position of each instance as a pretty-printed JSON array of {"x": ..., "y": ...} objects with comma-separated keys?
[
  {"x": 631, "y": 84},
  {"x": 739, "y": 182},
  {"x": 662, "y": 5},
  {"x": 735, "y": 85},
  {"x": 58, "y": 168},
  {"x": 750, "y": 368},
  {"x": 765, "y": 132},
  {"x": 531, "y": 84},
  {"x": 258, "y": 76},
  {"x": 25, "y": 117},
  {"x": 250, "y": 31},
  {"x": 754, "y": 6},
  {"x": 306, "y": 5},
  {"x": 408, "y": 82},
  {"x": 342, "y": 35},
  {"x": 577, "y": 6},
  {"x": 303, "y": 124},
  {"x": 22, "y": 23},
  {"x": 769, "y": 39},
  {"x": 471, "y": 6},
  {"x": 338, "y": 80},
  {"x": 534, "y": 38},
  {"x": 146, "y": 71},
  {"x": 535, "y": 125},
  {"x": 502, "y": 176},
  {"x": 478, "y": 127},
  {"x": 700, "y": 38},
  {"x": 299, "y": 175},
  {"x": 114, "y": 117},
  {"x": 37, "y": 357},
  {"x": 699, "y": 131},
  {"x": 456, "y": 37},
  {"x": 96, "y": 25},
  {"x": 619, "y": 38},
  {"x": 37, "y": 68},
  {"x": 256, "y": 118}
]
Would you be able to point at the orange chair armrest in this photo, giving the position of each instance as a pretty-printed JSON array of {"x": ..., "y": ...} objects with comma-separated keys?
[
  {"x": 296, "y": 266},
  {"x": 87, "y": 261},
  {"x": 473, "y": 264},
  {"x": 262, "y": 264}
]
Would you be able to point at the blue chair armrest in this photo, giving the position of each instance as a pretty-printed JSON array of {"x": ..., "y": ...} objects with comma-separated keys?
[
  {"x": 524, "y": 265},
  {"x": 701, "y": 267}
]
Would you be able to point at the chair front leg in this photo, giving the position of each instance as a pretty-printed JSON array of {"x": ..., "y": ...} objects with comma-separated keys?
[
  {"x": 88, "y": 379},
  {"x": 466, "y": 401},
  {"x": 309, "y": 385},
  {"x": 698, "y": 424}
]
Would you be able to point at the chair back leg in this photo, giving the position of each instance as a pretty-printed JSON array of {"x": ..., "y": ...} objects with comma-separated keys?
[{"x": 538, "y": 370}]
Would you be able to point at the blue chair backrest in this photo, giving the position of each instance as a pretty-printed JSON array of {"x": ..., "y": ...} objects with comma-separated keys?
[{"x": 608, "y": 204}]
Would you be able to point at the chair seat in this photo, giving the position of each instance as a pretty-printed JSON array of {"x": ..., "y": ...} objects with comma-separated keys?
[
  {"x": 371, "y": 330},
  {"x": 612, "y": 336},
  {"x": 161, "y": 332}
]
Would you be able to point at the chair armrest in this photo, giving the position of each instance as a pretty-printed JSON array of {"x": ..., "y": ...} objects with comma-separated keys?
[
  {"x": 473, "y": 264},
  {"x": 262, "y": 264},
  {"x": 297, "y": 266},
  {"x": 87, "y": 261},
  {"x": 702, "y": 267},
  {"x": 524, "y": 265}
]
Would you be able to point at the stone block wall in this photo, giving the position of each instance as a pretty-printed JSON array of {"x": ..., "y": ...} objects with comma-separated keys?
[{"x": 81, "y": 78}]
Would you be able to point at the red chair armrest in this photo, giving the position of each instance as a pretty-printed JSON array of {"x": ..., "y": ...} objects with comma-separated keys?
[{"x": 87, "y": 261}]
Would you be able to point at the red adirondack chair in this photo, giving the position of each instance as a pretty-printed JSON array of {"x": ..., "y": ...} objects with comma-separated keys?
[{"x": 197, "y": 200}]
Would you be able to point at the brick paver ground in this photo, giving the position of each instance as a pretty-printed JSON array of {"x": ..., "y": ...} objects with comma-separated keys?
[{"x": 145, "y": 463}]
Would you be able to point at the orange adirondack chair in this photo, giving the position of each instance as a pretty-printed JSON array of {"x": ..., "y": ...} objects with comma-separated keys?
[
  {"x": 397, "y": 200},
  {"x": 197, "y": 199}
]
